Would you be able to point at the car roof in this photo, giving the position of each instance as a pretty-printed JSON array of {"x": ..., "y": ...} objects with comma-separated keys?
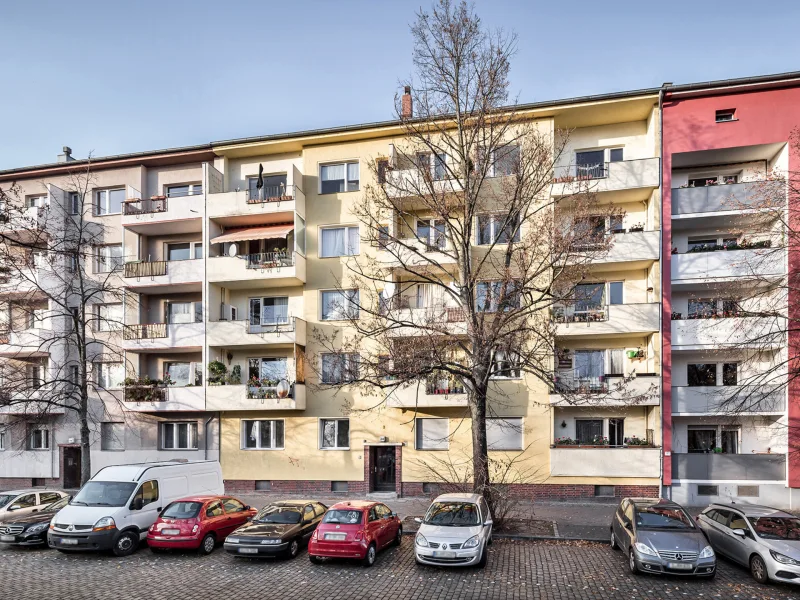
[
  {"x": 650, "y": 502},
  {"x": 459, "y": 497},
  {"x": 28, "y": 491},
  {"x": 292, "y": 502},
  {"x": 354, "y": 504},
  {"x": 752, "y": 510},
  {"x": 201, "y": 498}
]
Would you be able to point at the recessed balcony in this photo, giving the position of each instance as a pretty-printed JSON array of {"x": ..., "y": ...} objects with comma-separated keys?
[
  {"x": 163, "y": 215},
  {"x": 245, "y": 334},
  {"x": 142, "y": 398},
  {"x": 642, "y": 390},
  {"x": 244, "y": 397},
  {"x": 615, "y": 319},
  {"x": 751, "y": 195},
  {"x": 266, "y": 269},
  {"x": 160, "y": 337},
  {"x": 244, "y": 206},
  {"x": 27, "y": 343},
  {"x": 409, "y": 320},
  {"x": 729, "y": 467},
  {"x": 764, "y": 333},
  {"x": 435, "y": 392},
  {"x": 721, "y": 265},
  {"x": 578, "y": 461},
  {"x": 742, "y": 400},
  {"x": 641, "y": 174},
  {"x": 162, "y": 276},
  {"x": 25, "y": 222},
  {"x": 629, "y": 250}
]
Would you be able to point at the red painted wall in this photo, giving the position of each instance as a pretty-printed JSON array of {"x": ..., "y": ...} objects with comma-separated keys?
[{"x": 764, "y": 116}]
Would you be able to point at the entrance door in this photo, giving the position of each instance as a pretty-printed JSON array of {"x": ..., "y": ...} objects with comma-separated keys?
[
  {"x": 383, "y": 469},
  {"x": 72, "y": 467}
]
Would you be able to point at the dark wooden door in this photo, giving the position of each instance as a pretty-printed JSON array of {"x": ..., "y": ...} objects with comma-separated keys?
[
  {"x": 72, "y": 468},
  {"x": 383, "y": 469}
]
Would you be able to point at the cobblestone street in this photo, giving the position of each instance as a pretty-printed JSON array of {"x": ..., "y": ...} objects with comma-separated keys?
[{"x": 550, "y": 570}]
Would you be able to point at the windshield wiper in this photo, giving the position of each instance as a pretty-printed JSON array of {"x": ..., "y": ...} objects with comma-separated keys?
[{"x": 79, "y": 502}]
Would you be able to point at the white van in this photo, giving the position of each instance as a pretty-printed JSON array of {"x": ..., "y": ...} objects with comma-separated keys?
[{"x": 116, "y": 507}]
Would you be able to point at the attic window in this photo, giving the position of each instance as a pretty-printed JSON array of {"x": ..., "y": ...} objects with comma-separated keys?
[{"x": 725, "y": 115}]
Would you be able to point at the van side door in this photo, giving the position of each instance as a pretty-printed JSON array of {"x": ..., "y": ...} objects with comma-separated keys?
[{"x": 144, "y": 507}]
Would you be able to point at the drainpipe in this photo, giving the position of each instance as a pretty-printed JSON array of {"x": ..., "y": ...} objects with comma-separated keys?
[
  {"x": 205, "y": 437},
  {"x": 664, "y": 492}
]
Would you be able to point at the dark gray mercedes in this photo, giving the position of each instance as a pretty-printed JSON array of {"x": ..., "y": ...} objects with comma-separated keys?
[
  {"x": 659, "y": 536},
  {"x": 278, "y": 529}
]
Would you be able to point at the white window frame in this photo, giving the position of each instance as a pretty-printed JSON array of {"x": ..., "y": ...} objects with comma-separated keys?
[
  {"x": 274, "y": 447},
  {"x": 348, "y": 250},
  {"x": 321, "y": 436},
  {"x": 105, "y": 261},
  {"x": 102, "y": 320},
  {"x": 193, "y": 246},
  {"x": 2, "y": 439},
  {"x": 195, "y": 189},
  {"x": 74, "y": 203},
  {"x": 32, "y": 430},
  {"x": 492, "y": 170},
  {"x": 118, "y": 436},
  {"x": 347, "y": 305},
  {"x": 490, "y": 422},
  {"x": 101, "y": 200},
  {"x": 515, "y": 366},
  {"x": 347, "y": 181},
  {"x": 493, "y": 304},
  {"x": 102, "y": 369},
  {"x": 347, "y": 357},
  {"x": 421, "y": 446},
  {"x": 37, "y": 201},
  {"x": 192, "y": 435},
  {"x": 496, "y": 220}
]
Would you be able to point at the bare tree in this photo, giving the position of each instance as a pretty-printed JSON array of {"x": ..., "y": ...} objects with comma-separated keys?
[
  {"x": 62, "y": 298},
  {"x": 465, "y": 254}
]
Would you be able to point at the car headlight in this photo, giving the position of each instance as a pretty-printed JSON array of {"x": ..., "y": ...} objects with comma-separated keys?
[
  {"x": 707, "y": 552},
  {"x": 232, "y": 540},
  {"x": 104, "y": 523},
  {"x": 471, "y": 542},
  {"x": 271, "y": 541},
  {"x": 645, "y": 549},
  {"x": 421, "y": 541},
  {"x": 38, "y": 528},
  {"x": 783, "y": 559}
]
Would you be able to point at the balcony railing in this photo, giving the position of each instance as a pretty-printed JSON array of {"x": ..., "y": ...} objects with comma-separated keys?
[
  {"x": 271, "y": 193},
  {"x": 267, "y": 392},
  {"x": 287, "y": 326},
  {"x": 727, "y": 197},
  {"x": 736, "y": 467},
  {"x": 145, "y": 393},
  {"x": 270, "y": 260},
  {"x": 148, "y": 331},
  {"x": 145, "y": 206},
  {"x": 154, "y": 268},
  {"x": 582, "y": 314},
  {"x": 580, "y": 385},
  {"x": 443, "y": 385}
]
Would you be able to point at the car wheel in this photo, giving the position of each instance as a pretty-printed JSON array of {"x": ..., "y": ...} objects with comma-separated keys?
[
  {"x": 398, "y": 538},
  {"x": 126, "y": 544},
  {"x": 758, "y": 569},
  {"x": 484, "y": 558},
  {"x": 370, "y": 556},
  {"x": 207, "y": 545},
  {"x": 293, "y": 549},
  {"x": 614, "y": 545},
  {"x": 632, "y": 562}
]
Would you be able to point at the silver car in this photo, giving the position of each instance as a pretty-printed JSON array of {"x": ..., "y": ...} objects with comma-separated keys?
[
  {"x": 660, "y": 537},
  {"x": 764, "y": 539}
]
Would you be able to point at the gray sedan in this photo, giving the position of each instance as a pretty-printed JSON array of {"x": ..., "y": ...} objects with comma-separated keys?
[
  {"x": 660, "y": 537},
  {"x": 764, "y": 539}
]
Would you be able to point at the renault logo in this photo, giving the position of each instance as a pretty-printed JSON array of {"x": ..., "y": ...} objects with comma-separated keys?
[
  {"x": 444, "y": 546},
  {"x": 70, "y": 528}
]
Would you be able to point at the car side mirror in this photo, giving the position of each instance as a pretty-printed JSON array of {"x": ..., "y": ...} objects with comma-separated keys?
[
  {"x": 739, "y": 532},
  {"x": 488, "y": 523},
  {"x": 14, "y": 507},
  {"x": 417, "y": 520},
  {"x": 247, "y": 508},
  {"x": 393, "y": 515}
]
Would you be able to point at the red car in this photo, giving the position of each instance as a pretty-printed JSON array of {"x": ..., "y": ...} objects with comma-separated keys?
[
  {"x": 197, "y": 523},
  {"x": 355, "y": 530}
]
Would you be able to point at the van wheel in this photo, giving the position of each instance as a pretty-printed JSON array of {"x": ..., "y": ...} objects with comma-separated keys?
[
  {"x": 758, "y": 569},
  {"x": 207, "y": 545},
  {"x": 370, "y": 556},
  {"x": 126, "y": 544},
  {"x": 293, "y": 549}
]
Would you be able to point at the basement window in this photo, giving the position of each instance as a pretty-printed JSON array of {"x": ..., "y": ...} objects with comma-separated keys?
[
  {"x": 263, "y": 485},
  {"x": 748, "y": 491},
  {"x": 707, "y": 490},
  {"x": 339, "y": 486},
  {"x": 604, "y": 491},
  {"x": 725, "y": 115}
]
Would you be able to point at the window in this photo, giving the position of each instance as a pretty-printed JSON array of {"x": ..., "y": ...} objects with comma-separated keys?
[
  {"x": 382, "y": 165},
  {"x": 109, "y": 375},
  {"x": 339, "y": 241},
  {"x": 145, "y": 495},
  {"x": 48, "y": 497},
  {"x": 109, "y": 202},
  {"x": 498, "y": 229},
  {"x": 179, "y": 436},
  {"x": 725, "y": 115},
  {"x": 616, "y": 155},
  {"x": 38, "y": 438},
  {"x": 340, "y": 367},
  {"x": 36, "y": 201},
  {"x": 707, "y": 490},
  {"x": 490, "y": 296},
  {"x": 730, "y": 374},
  {"x": 702, "y": 441},
  {"x": 615, "y": 292},
  {"x": 108, "y": 258},
  {"x": 37, "y": 373},
  {"x": 334, "y": 434},
  {"x": 590, "y": 164},
  {"x": 215, "y": 510},
  {"x": 232, "y": 505},
  {"x": 319, "y": 509},
  {"x": 263, "y": 435},
  {"x": 263, "y": 485},
  {"x": 186, "y": 189},
  {"x": 431, "y": 232},
  {"x": 703, "y": 374},
  {"x": 184, "y": 251},
  {"x": 184, "y": 312},
  {"x": 589, "y": 431},
  {"x": 505, "y": 161},
  {"x": 504, "y": 434},
  {"x": 2, "y": 440},
  {"x": 590, "y": 365},
  {"x": 109, "y": 316},
  {"x": 75, "y": 203},
  {"x": 341, "y": 177},
  {"x": 433, "y": 434},
  {"x": 180, "y": 373},
  {"x": 340, "y": 486},
  {"x": 274, "y": 186},
  {"x": 702, "y": 309},
  {"x": 730, "y": 441},
  {"x": 604, "y": 491},
  {"x": 616, "y": 432},
  {"x": 112, "y": 436},
  {"x": 340, "y": 305},
  {"x": 506, "y": 365},
  {"x": 267, "y": 369},
  {"x": 269, "y": 311}
]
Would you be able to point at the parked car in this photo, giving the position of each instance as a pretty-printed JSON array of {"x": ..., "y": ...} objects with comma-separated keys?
[
  {"x": 659, "y": 536},
  {"x": 31, "y": 529},
  {"x": 456, "y": 530},
  {"x": 764, "y": 539},
  {"x": 280, "y": 528},
  {"x": 197, "y": 523},
  {"x": 115, "y": 508},
  {"x": 19, "y": 503},
  {"x": 355, "y": 529}
]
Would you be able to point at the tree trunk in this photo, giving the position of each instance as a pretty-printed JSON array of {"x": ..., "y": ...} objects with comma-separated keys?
[{"x": 481, "y": 483}]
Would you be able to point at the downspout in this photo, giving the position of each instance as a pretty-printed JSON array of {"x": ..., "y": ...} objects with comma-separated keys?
[
  {"x": 664, "y": 492},
  {"x": 205, "y": 437}
]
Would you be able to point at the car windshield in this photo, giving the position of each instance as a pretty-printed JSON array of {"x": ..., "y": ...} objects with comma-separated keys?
[
  {"x": 776, "y": 528},
  {"x": 348, "y": 517},
  {"x": 660, "y": 517},
  {"x": 104, "y": 493},
  {"x": 182, "y": 510},
  {"x": 453, "y": 514},
  {"x": 58, "y": 504},
  {"x": 287, "y": 515},
  {"x": 5, "y": 499}
]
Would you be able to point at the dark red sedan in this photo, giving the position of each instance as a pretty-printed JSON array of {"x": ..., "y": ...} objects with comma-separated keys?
[
  {"x": 197, "y": 523},
  {"x": 355, "y": 530}
]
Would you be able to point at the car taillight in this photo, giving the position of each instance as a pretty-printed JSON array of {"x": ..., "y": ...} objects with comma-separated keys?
[
  {"x": 359, "y": 535},
  {"x": 314, "y": 535}
]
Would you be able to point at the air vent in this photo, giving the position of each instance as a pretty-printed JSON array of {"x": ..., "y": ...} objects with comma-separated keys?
[
  {"x": 604, "y": 491},
  {"x": 748, "y": 491},
  {"x": 707, "y": 490}
]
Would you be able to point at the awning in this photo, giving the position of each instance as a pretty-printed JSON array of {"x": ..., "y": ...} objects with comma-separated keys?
[{"x": 268, "y": 232}]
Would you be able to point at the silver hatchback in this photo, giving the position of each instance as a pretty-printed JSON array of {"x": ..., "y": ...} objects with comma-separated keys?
[{"x": 764, "y": 539}]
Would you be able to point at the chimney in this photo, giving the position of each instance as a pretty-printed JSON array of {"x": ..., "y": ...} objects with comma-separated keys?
[
  {"x": 66, "y": 155},
  {"x": 407, "y": 107}
]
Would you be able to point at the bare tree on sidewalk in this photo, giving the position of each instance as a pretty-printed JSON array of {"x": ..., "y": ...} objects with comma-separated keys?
[
  {"x": 61, "y": 297},
  {"x": 464, "y": 252}
]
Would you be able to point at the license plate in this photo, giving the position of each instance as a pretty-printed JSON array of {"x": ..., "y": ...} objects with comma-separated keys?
[
  {"x": 7, "y": 538},
  {"x": 248, "y": 550},
  {"x": 443, "y": 554},
  {"x": 335, "y": 536},
  {"x": 69, "y": 542},
  {"x": 171, "y": 531},
  {"x": 683, "y": 566}
]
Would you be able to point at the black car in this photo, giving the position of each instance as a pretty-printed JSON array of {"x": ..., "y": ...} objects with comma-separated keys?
[
  {"x": 278, "y": 529},
  {"x": 31, "y": 530}
]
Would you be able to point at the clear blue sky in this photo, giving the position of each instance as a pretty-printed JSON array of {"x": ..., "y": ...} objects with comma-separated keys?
[{"x": 116, "y": 77}]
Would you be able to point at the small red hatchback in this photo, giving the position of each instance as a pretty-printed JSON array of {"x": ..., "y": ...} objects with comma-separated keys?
[
  {"x": 197, "y": 523},
  {"x": 355, "y": 530}
]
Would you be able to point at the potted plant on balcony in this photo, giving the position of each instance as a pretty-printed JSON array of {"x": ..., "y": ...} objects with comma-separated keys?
[
  {"x": 216, "y": 372},
  {"x": 235, "y": 376},
  {"x": 635, "y": 441},
  {"x": 636, "y": 228},
  {"x": 565, "y": 441}
]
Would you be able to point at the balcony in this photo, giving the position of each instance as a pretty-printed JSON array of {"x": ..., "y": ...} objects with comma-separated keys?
[
  {"x": 643, "y": 390},
  {"x": 629, "y": 250},
  {"x": 140, "y": 398},
  {"x": 415, "y": 254},
  {"x": 617, "y": 176},
  {"x": 764, "y": 333},
  {"x": 245, "y": 334},
  {"x": 424, "y": 321},
  {"x": 156, "y": 277},
  {"x": 577, "y": 461},
  {"x": 694, "y": 268},
  {"x": 729, "y": 467},
  {"x": 731, "y": 197},
  {"x": 708, "y": 400},
  {"x": 413, "y": 183},
  {"x": 27, "y": 343},
  {"x": 26, "y": 283},
  {"x": 161, "y": 215},
  {"x": 435, "y": 392},
  {"x": 155, "y": 337},
  {"x": 243, "y": 397},
  {"x": 235, "y": 207},
  {"x": 271, "y": 269},
  {"x": 19, "y": 223},
  {"x": 614, "y": 319}
]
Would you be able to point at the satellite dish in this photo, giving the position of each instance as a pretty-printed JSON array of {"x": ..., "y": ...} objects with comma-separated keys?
[{"x": 233, "y": 250}]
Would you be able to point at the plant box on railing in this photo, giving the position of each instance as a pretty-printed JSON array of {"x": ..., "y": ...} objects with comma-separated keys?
[{"x": 145, "y": 393}]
